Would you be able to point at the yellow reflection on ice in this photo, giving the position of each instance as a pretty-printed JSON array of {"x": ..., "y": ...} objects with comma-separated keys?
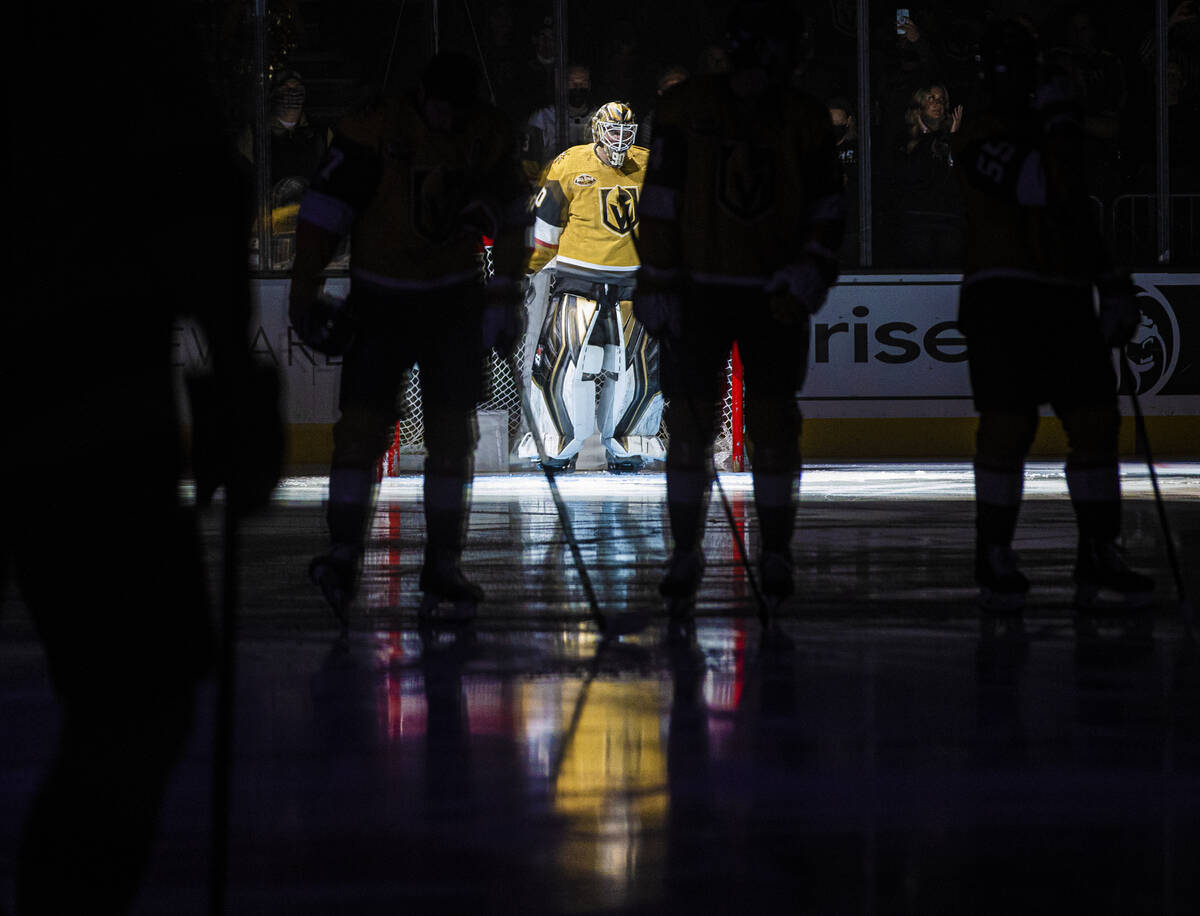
[{"x": 612, "y": 784}]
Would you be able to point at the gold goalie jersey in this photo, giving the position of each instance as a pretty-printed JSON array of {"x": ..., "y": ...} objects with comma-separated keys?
[
  {"x": 586, "y": 215},
  {"x": 737, "y": 187}
]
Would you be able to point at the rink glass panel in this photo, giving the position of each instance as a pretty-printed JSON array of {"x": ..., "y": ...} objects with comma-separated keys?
[{"x": 1135, "y": 75}]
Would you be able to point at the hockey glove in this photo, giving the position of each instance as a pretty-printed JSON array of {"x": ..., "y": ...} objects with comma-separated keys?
[
  {"x": 658, "y": 304},
  {"x": 1120, "y": 314},
  {"x": 503, "y": 324},
  {"x": 798, "y": 290},
  {"x": 237, "y": 437},
  {"x": 659, "y": 311},
  {"x": 323, "y": 322}
]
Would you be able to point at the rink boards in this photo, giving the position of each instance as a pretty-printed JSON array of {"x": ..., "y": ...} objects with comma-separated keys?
[{"x": 887, "y": 370}]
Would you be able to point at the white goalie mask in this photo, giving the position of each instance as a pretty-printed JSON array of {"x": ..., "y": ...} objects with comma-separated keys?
[{"x": 614, "y": 128}]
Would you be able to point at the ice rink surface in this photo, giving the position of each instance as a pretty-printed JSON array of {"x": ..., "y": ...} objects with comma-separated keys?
[{"x": 885, "y": 757}]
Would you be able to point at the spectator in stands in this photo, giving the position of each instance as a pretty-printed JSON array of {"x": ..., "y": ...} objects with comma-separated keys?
[
  {"x": 1133, "y": 215},
  {"x": 1183, "y": 46},
  {"x": 825, "y": 62},
  {"x": 927, "y": 221},
  {"x": 620, "y": 66},
  {"x": 713, "y": 59},
  {"x": 516, "y": 82},
  {"x": 297, "y": 147},
  {"x": 672, "y": 75},
  {"x": 1183, "y": 137},
  {"x": 929, "y": 114},
  {"x": 903, "y": 60},
  {"x": 542, "y": 142},
  {"x": 845, "y": 130},
  {"x": 1096, "y": 77},
  {"x": 906, "y": 62},
  {"x": 545, "y": 59},
  {"x": 1183, "y": 104}
]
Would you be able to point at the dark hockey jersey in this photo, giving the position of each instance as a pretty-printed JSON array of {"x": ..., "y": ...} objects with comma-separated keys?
[
  {"x": 736, "y": 187},
  {"x": 416, "y": 202},
  {"x": 1028, "y": 209}
]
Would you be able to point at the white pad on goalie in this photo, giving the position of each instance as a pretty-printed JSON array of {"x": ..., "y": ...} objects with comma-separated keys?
[
  {"x": 579, "y": 397},
  {"x": 536, "y": 303},
  {"x": 642, "y": 439}
]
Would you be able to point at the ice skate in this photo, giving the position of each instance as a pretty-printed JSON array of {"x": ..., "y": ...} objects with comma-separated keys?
[
  {"x": 680, "y": 632},
  {"x": 1001, "y": 626},
  {"x": 1002, "y": 586},
  {"x": 1112, "y": 601},
  {"x": 444, "y": 584},
  {"x": 630, "y": 464},
  {"x": 1104, "y": 581},
  {"x": 558, "y": 465},
  {"x": 684, "y": 572},
  {"x": 775, "y": 579},
  {"x": 335, "y": 574}
]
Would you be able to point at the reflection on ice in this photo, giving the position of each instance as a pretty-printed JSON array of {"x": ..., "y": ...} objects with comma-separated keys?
[{"x": 913, "y": 480}]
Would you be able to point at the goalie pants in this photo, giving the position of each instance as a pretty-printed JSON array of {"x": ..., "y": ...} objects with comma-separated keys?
[
  {"x": 441, "y": 331},
  {"x": 1033, "y": 343},
  {"x": 775, "y": 361}
]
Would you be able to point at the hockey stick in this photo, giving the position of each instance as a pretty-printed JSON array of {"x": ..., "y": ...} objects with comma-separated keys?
[
  {"x": 1185, "y": 605},
  {"x": 764, "y": 614},
  {"x": 223, "y": 732},
  {"x": 609, "y": 624}
]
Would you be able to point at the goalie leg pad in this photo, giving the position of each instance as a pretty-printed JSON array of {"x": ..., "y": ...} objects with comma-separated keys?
[
  {"x": 637, "y": 395},
  {"x": 564, "y": 376}
]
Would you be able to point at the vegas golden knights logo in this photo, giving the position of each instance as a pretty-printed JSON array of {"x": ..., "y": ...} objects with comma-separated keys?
[
  {"x": 438, "y": 198},
  {"x": 746, "y": 182},
  {"x": 618, "y": 209}
]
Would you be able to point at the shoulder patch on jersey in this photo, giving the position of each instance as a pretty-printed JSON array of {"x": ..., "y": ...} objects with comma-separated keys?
[{"x": 584, "y": 180}]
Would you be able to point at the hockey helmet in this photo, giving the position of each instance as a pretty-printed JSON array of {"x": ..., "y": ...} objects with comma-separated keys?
[
  {"x": 614, "y": 127},
  {"x": 762, "y": 34},
  {"x": 1009, "y": 64}
]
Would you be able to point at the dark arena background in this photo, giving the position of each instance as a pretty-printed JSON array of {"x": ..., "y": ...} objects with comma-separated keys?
[{"x": 878, "y": 748}]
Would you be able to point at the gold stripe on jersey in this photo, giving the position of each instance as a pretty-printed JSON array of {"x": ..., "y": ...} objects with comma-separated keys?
[{"x": 586, "y": 212}]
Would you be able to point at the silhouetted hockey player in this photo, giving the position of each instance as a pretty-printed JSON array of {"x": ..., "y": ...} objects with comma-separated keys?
[
  {"x": 585, "y": 261},
  {"x": 1034, "y": 260},
  {"x": 741, "y": 216},
  {"x": 112, "y": 575},
  {"x": 415, "y": 181}
]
